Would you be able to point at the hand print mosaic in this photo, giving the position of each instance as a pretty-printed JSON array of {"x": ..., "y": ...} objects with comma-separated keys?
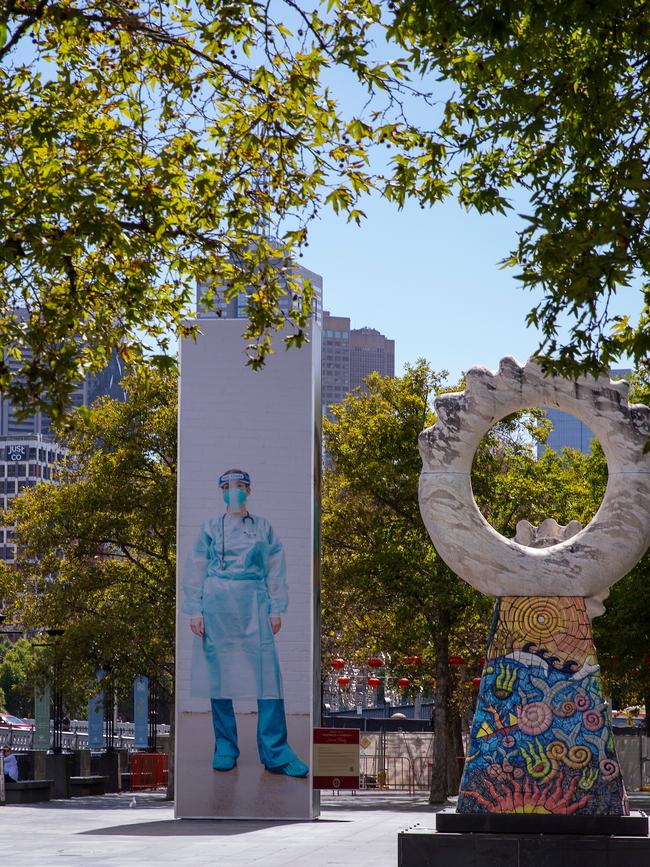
[{"x": 541, "y": 739}]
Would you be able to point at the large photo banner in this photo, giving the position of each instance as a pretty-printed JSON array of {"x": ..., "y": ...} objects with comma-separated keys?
[{"x": 249, "y": 447}]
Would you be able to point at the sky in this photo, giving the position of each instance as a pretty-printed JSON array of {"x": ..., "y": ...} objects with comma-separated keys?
[{"x": 430, "y": 279}]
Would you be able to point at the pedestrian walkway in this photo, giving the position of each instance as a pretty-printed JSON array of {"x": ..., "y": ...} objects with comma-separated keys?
[
  {"x": 353, "y": 831},
  {"x": 139, "y": 830}
]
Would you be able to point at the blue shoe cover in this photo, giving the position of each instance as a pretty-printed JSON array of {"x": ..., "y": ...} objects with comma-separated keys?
[
  {"x": 223, "y": 763},
  {"x": 294, "y": 768}
]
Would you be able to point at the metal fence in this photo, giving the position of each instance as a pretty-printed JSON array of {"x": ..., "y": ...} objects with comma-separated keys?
[
  {"x": 396, "y": 761},
  {"x": 19, "y": 739}
]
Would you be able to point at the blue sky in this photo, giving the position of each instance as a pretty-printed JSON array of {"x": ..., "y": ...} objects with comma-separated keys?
[{"x": 430, "y": 279}]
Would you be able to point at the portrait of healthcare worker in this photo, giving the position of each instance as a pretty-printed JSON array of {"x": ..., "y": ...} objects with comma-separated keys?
[{"x": 235, "y": 593}]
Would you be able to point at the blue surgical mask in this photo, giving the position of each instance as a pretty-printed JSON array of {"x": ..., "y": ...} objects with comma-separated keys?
[{"x": 235, "y": 497}]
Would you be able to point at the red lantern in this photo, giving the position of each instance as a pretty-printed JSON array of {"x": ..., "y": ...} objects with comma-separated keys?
[
  {"x": 344, "y": 680},
  {"x": 338, "y": 664},
  {"x": 434, "y": 682},
  {"x": 373, "y": 681},
  {"x": 476, "y": 681},
  {"x": 375, "y": 662},
  {"x": 404, "y": 682},
  {"x": 455, "y": 660},
  {"x": 414, "y": 660}
]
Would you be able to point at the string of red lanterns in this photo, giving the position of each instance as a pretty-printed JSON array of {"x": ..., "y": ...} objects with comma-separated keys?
[{"x": 376, "y": 662}]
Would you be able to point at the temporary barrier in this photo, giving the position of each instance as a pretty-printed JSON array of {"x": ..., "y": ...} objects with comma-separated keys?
[{"x": 148, "y": 770}]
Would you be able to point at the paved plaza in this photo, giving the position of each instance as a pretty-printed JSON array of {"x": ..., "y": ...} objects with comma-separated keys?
[
  {"x": 353, "y": 831},
  {"x": 129, "y": 830}
]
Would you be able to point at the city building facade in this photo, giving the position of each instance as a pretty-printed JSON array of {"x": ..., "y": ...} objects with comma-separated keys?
[
  {"x": 29, "y": 453},
  {"x": 235, "y": 308},
  {"x": 370, "y": 351},
  {"x": 349, "y": 355},
  {"x": 24, "y": 462},
  {"x": 567, "y": 431},
  {"x": 335, "y": 359}
]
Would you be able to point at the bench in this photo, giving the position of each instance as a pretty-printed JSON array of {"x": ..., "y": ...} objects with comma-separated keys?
[
  {"x": 28, "y": 791},
  {"x": 80, "y": 787}
]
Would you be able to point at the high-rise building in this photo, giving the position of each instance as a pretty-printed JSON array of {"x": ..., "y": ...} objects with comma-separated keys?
[
  {"x": 370, "y": 351},
  {"x": 335, "y": 359},
  {"x": 567, "y": 431},
  {"x": 105, "y": 383},
  {"x": 24, "y": 462},
  {"x": 349, "y": 355},
  {"x": 28, "y": 451},
  {"x": 235, "y": 308}
]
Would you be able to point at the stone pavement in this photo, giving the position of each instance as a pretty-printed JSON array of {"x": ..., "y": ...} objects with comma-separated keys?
[{"x": 353, "y": 831}]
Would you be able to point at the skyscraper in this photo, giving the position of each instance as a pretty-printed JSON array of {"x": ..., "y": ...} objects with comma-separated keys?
[
  {"x": 235, "y": 308},
  {"x": 370, "y": 351},
  {"x": 568, "y": 432},
  {"x": 349, "y": 355},
  {"x": 28, "y": 451},
  {"x": 335, "y": 359}
]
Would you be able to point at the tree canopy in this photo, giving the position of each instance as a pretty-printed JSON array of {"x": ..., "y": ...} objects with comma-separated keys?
[
  {"x": 550, "y": 98},
  {"x": 96, "y": 551},
  {"x": 147, "y": 146}
]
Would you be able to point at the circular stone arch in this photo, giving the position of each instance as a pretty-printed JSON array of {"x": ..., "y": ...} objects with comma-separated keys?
[{"x": 588, "y": 563}]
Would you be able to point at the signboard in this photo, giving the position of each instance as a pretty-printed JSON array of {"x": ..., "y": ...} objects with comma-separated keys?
[
  {"x": 141, "y": 712},
  {"x": 96, "y": 721},
  {"x": 336, "y": 758},
  {"x": 42, "y": 718},
  {"x": 248, "y": 462},
  {"x": 15, "y": 453}
]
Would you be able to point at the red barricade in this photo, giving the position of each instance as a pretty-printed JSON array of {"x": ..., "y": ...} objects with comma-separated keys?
[{"x": 148, "y": 770}]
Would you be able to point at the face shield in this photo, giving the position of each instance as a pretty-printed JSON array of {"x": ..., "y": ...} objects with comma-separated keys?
[{"x": 235, "y": 487}]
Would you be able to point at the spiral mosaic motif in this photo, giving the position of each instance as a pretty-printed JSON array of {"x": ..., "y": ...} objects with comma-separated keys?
[
  {"x": 610, "y": 769},
  {"x": 592, "y": 720},
  {"x": 540, "y": 619},
  {"x": 534, "y": 718},
  {"x": 541, "y": 739},
  {"x": 578, "y": 756},
  {"x": 556, "y": 751},
  {"x": 567, "y": 708}
]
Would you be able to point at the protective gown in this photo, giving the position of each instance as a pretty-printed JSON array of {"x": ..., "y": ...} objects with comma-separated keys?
[{"x": 235, "y": 578}]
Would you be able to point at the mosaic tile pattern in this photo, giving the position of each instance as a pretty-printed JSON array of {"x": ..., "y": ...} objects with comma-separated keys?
[{"x": 541, "y": 740}]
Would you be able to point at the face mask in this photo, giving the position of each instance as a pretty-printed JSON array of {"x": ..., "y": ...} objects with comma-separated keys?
[{"x": 235, "y": 497}]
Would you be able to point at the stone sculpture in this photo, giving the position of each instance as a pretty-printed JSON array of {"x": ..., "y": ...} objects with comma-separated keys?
[{"x": 541, "y": 740}]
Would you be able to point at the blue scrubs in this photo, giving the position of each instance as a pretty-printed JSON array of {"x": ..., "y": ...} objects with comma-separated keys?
[{"x": 235, "y": 578}]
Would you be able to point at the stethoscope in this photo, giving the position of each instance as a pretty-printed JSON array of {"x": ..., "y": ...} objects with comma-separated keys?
[{"x": 247, "y": 517}]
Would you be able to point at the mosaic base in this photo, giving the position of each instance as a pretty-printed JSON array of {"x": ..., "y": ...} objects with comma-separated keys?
[{"x": 541, "y": 740}]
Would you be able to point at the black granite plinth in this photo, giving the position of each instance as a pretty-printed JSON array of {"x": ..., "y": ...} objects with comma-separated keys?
[
  {"x": 28, "y": 791},
  {"x": 80, "y": 787},
  {"x": 422, "y": 848},
  {"x": 450, "y": 821}
]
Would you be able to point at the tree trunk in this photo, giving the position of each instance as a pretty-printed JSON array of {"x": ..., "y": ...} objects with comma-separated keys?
[
  {"x": 439, "y": 772},
  {"x": 455, "y": 750}
]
